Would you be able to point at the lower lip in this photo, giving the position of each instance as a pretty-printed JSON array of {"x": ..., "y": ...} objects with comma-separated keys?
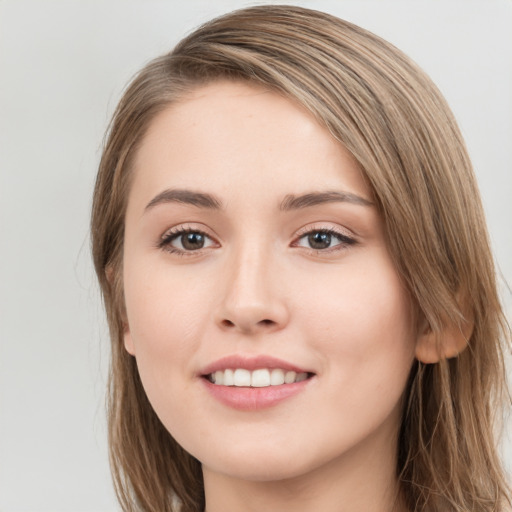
[{"x": 253, "y": 399}]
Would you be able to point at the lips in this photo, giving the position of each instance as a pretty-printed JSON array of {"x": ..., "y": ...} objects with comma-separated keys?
[
  {"x": 251, "y": 383},
  {"x": 251, "y": 363}
]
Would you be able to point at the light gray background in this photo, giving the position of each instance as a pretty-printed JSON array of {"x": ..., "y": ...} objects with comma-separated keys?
[{"x": 63, "y": 65}]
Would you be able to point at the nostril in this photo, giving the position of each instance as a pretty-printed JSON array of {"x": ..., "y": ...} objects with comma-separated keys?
[{"x": 230, "y": 324}]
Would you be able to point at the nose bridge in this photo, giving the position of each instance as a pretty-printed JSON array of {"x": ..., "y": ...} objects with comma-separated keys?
[
  {"x": 252, "y": 299},
  {"x": 252, "y": 261}
]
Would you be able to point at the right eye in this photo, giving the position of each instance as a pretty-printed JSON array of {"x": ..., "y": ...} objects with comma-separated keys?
[{"x": 184, "y": 240}]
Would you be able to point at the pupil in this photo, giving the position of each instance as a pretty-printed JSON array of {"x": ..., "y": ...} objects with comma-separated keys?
[
  {"x": 319, "y": 240},
  {"x": 192, "y": 241}
]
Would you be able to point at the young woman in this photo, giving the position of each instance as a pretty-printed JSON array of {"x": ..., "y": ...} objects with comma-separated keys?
[{"x": 298, "y": 281}]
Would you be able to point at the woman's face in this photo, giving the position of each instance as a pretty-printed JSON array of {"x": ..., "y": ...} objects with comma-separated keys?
[{"x": 255, "y": 255}]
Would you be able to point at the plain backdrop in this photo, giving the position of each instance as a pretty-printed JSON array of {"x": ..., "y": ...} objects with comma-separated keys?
[{"x": 63, "y": 65}]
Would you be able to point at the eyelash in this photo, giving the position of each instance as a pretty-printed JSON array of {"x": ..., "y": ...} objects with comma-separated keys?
[
  {"x": 175, "y": 233},
  {"x": 344, "y": 240}
]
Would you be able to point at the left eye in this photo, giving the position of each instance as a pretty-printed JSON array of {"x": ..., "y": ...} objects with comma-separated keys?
[{"x": 323, "y": 239}]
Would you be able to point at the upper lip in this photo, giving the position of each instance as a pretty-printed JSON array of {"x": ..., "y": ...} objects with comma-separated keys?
[{"x": 250, "y": 363}]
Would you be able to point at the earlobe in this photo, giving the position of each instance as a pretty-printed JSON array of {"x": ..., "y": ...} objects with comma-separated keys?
[
  {"x": 113, "y": 278},
  {"x": 109, "y": 274},
  {"x": 432, "y": 347},
  {"x": 128, "y": 342}
]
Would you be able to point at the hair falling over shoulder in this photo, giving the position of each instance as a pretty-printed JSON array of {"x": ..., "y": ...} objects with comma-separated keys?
[{"x": 394, "y": 121}]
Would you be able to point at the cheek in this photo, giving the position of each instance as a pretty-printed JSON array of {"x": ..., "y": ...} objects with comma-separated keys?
[
  {"x": 166, "y": 314},
  {"x": 361, "y": 326},
  {"x": 362, "y": 319}
]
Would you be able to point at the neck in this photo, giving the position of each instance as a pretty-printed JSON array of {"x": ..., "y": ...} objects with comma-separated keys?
[{"x": 360, "y": 481}]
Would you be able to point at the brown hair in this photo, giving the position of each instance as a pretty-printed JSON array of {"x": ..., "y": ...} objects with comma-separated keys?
[{"x": 394, "y": 121}]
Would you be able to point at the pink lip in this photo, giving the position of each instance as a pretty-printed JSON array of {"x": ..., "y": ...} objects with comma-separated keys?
[
  {"x": 253, "y": 399},
  {"x": 247, "y": 398},
  {"x": 250, "y": 363}
]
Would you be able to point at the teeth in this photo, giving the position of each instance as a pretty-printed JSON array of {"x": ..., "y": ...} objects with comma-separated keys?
[
  {"x": 301, "y": 376},
  {"x": 276, "y": 377},
  {"x": 242, "y": 377},
  {"x": 289, "y": 377},
  {"x": 228, "y": 378},
  {"x": 219, "y": 378},
  {"x": 261, "y": 378}
]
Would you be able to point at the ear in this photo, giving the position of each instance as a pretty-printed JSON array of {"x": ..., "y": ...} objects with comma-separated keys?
[
  {"x": 432, "y": 347},
  {"x": 127, "y": 338},
  {"x": 128, "y": 341},
  {"x": 110, "y": 274}
]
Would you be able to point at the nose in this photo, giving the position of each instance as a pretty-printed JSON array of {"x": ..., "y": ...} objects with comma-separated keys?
[{"x": 253, "y": 300}]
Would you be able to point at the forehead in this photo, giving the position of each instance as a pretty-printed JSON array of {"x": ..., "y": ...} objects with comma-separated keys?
[{"x": 235, "y": 136}]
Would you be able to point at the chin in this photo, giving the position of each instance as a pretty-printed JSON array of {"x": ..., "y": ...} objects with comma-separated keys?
[
  {"x": 262, "y": 462},
  {"x": 260, "y": 470}
]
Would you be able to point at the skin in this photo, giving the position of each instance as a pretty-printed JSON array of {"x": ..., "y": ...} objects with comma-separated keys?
[{"x": 257, "y": 287}]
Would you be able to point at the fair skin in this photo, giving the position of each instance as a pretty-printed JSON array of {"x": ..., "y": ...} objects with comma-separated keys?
[{"x": 247, "y": 270}]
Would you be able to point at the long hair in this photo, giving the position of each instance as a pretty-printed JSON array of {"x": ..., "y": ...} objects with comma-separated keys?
[{"x": 389, "y": 115}]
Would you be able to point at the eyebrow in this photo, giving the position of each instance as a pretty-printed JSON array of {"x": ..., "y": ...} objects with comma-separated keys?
[
  {"x": 190, "y": 197},
  {"x": 290, "y": 202}
]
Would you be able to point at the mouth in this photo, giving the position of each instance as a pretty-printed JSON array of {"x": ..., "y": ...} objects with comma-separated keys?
[
  {"x": 254, "y": 382},
  {"x": 258, "y": 378}
]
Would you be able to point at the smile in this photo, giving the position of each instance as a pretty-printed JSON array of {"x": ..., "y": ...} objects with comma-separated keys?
[
  {"x": 259, "y": 378},
  {"x": 254, "y": 382}
]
